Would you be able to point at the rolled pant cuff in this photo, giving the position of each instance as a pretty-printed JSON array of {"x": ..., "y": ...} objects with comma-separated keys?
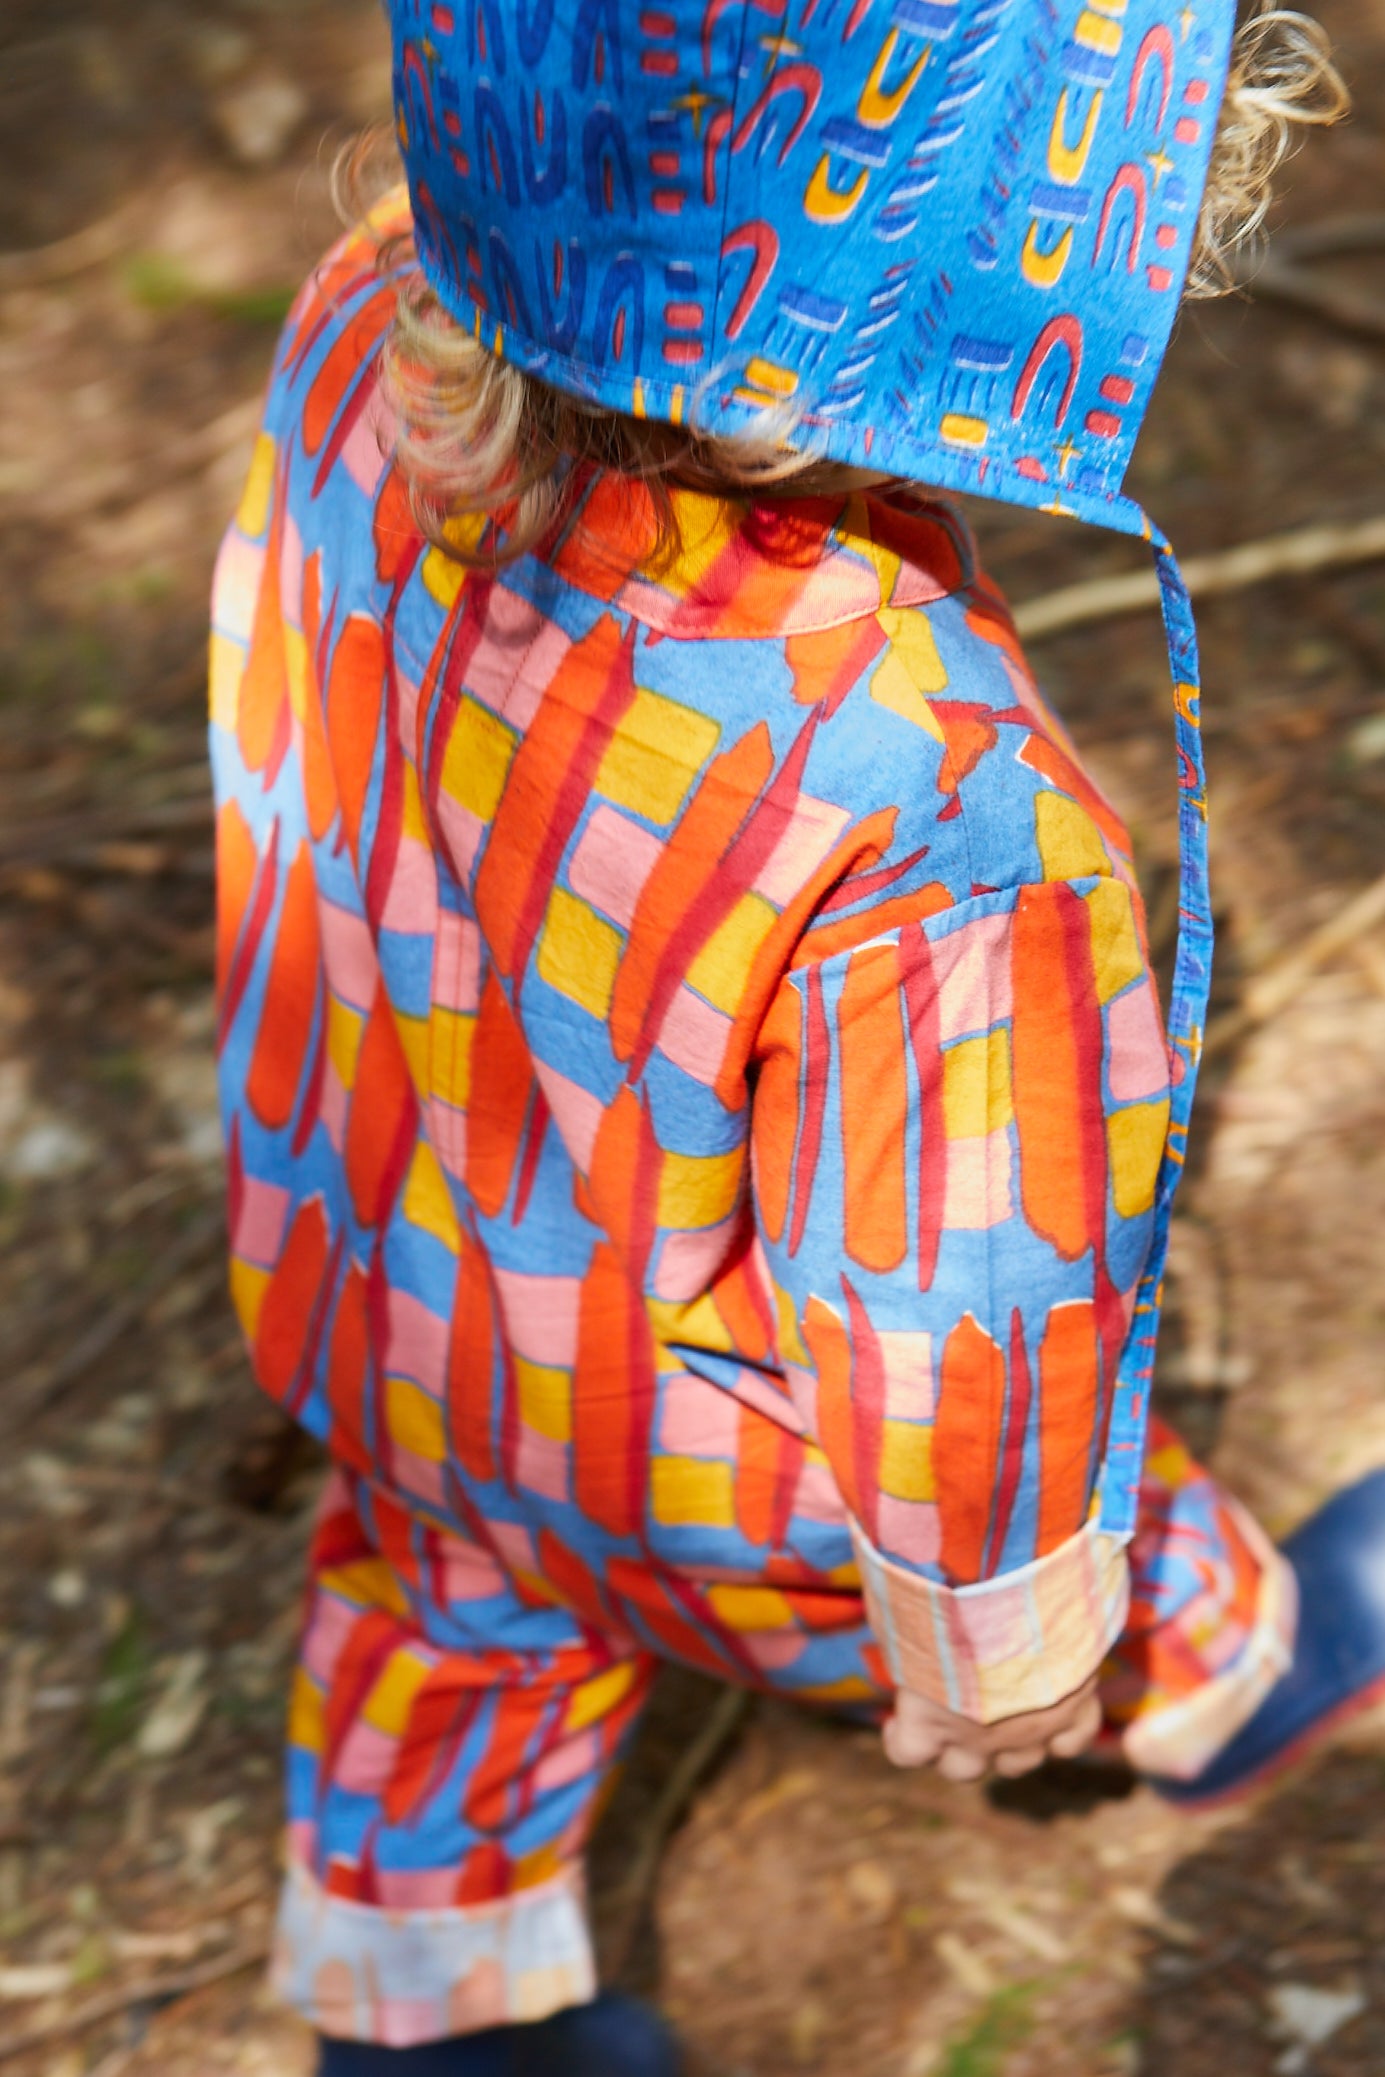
[{"x": 400, "y": 1977}]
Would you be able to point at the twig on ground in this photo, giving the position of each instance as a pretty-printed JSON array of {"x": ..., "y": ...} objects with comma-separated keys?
[
  {"x": 1280, "y": 276},
  {"x": 78, "y": 837},
  {"x": 633, "y": 1896},
  {"x": 89, "y": 247},
  {"x": 1298, "y": 554},
  {"x": 108, "y": 1327},
  {"x": 1329, "y": 299},
  {"x": 148, "y": 1990},
  {"x": 1279, "y": 982},
  {"x": 1364, "y": 232},
  {"x": 1196, "y": 1272}
]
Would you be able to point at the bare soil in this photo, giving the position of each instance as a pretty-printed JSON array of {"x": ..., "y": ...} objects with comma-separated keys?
[{"x": 163, "y": 186}]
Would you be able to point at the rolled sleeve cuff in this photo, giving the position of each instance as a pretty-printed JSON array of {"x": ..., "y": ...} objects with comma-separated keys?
[{"x": 1007, "y": 1645}]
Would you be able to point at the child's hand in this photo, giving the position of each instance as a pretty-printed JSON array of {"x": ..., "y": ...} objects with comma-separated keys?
[{"x": 921, "y": 1733}]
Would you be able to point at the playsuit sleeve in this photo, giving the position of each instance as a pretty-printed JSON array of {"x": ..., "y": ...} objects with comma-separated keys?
[{"x": 956, "y": 1131}]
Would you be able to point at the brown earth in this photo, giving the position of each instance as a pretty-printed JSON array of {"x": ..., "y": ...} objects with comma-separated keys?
[{"x": 817, "y": 1912}]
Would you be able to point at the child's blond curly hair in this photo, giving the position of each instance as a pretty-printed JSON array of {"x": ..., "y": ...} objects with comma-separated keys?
[{"x": 479, "y": 440}]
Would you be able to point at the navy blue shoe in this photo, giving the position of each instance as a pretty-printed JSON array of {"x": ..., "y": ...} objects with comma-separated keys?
[
  {"x": 1338, "y": 1556},
  {"x": 615, "y": 2036}
]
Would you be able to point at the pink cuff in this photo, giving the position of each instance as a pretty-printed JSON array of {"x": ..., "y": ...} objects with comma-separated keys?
[{"x": 1008, "y": 1645}]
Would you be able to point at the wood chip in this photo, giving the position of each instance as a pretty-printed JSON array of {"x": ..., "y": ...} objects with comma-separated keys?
[
  {"x": 964, "y": 1962},
  {"x": 1026, "y": 1931},
  {"x": 27, "y": 1980},
  {"x": 1138, "y": 1908}
]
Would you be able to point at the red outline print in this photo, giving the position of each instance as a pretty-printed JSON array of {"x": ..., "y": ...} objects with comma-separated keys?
[{"x": 1064, "y": 331}]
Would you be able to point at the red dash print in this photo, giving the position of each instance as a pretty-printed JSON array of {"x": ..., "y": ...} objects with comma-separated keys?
[{"x": 816, "y": 1075}]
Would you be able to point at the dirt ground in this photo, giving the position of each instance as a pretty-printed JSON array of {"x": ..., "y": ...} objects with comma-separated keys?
[{"x": 163, "y": 186}]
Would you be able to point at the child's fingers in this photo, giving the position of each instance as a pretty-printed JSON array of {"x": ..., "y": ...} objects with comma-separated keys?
[
  {"x": 909, "y": 1739},
  {"x": 1022, "y": 1760},
  {"x": 1066, "y": 1745},
  {"x": 959, "y": 1763}
]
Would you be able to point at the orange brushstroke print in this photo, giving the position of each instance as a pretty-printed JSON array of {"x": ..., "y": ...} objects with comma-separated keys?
[
  {"x": 262, "y": 706},
  {"x": 547, "y": 789},
  {"x": 767, "y": 1466},
  {"x": 516, "y": 1718},
  {"x": 867, "y": 1405},
  {"x": 874, "y": 1110},
  {"x": 775, "y": 1117},
  {"x": 502, "y": 1077},
  {"x": 1069, "y": 1389},
  {"x": 825, "y": 1335},
  {"x": 574, "y": 1583},
  {"x": 471, "y": 1363},
  {"x": 381, "y": 1124},
  {"x": 829, "y": 661},
  {"x": 346, "y": 371},
  {"x": 971, "y": 728},
  {"x": 782, "y": 945},
  {"x": 236, "y": 859},
  {"x": 688, "y": 863},
  {"x": 370, "y": 1642},
  {"x": 440, "y": 1715},
  {"x": 743, "y": 1303},
  {"x": 355, "y": 695},
  {"x": 652, "y": 1604},
  {"x": 1044, "y": 755},
  {"x": 291, "y": 994},
  {"x": 817, "y": 1070},
  {"x": 320, "y": 798},
  {"x": 348, "y": 1374},
  {"x": 966, "y": 1445},
  {"x": 737, "y": 871},
  {"x": 605, "y": 1416},
  {"x": 923, "y": 1021},
  {"x": 840, "y": 933},
  {"x": 286, "y": 1316},
  {"x": 1056, "y": 1043}
]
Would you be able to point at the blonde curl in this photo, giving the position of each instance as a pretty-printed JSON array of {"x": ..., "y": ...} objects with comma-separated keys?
[{"x": 1282, "y": 82}]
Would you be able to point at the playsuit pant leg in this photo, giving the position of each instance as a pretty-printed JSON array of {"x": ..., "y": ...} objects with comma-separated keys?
[
  {"x": 450, "y": 1735},
  {"x": 462, "y": 1703}
]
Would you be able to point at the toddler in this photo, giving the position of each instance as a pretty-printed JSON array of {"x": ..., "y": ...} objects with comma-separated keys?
[{"x": 700, "y": 1125}]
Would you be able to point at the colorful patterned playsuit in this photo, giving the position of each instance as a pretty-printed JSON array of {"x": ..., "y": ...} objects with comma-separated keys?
[{"x": 697, "y": 1104}]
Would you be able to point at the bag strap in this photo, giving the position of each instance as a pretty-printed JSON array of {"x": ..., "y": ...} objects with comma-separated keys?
[{"x": 1187, "y": 1022}]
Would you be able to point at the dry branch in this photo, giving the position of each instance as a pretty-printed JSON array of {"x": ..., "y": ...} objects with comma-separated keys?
[
  {"x": 1298, "y": 554},
  {"x": 1278, "y": 983},
  {"x": 148, "y": 1990},
  {"x": 108, "y": 1327},
  {"x": 718, "y": 1728},
  {"x": 1329, "y": 299},
  {"x": 1362, "y": 232},
  {"x": 89, "y": 247}
]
